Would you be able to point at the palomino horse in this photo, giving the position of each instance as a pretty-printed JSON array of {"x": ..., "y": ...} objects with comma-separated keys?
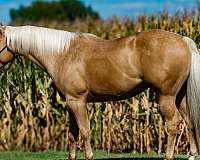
[{"x": 86, "y": 68}]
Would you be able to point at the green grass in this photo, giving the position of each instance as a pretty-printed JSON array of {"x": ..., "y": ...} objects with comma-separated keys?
[{"x": 60, "y": 155}]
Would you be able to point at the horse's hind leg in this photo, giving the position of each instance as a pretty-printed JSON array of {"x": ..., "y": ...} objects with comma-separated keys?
[
  {"x": 73, "y": 135},
  {"x": 184, "y": 113},
  {"x": 78, "y": 107},
  {"x": 171, "y": 117}
]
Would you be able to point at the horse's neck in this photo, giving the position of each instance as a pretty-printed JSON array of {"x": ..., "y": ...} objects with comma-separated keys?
[{"x": 40, "y": 45}]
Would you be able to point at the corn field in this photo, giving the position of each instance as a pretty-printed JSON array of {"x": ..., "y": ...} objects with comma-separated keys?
[{"x": 33, "y": 117}]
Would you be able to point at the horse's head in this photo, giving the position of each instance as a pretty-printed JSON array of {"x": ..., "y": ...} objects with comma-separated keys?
[{"x": 5, "y": 54}]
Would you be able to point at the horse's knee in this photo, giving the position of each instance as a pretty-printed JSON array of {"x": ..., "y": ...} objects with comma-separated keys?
[
  {"x": 173, "y": 123},
  {"x": 172, "y": 126}
]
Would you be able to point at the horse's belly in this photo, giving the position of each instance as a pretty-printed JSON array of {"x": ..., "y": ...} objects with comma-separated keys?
[{"x": 114, "y": 89}]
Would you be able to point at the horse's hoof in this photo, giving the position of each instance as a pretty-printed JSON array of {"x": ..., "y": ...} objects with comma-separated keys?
[
  {"x": 72, "y": 158},
  {"x": 192, "y": 157}
]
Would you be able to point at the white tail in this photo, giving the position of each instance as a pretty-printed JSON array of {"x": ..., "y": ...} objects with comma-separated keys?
[{"x": 193, "y": 90}]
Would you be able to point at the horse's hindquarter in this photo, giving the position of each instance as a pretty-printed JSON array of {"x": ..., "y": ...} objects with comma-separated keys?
[
  {"x": 112, "y": 68},
  {"x": 165, "y": 59}
]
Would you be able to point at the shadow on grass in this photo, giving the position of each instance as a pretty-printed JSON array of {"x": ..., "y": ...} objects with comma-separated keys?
[
  {"x": 136, "y": 158},
  {"x": 98, "y": 155}
]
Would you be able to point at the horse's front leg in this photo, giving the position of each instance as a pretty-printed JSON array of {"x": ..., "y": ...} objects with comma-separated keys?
[
  {"x": 73, "y": 135},
  {"x": 78, "y": 107}
]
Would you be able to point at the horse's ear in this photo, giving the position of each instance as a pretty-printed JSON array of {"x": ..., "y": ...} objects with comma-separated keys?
[
  {"x": 2, "y": 25},
  {"x": 2, "y": 29}
]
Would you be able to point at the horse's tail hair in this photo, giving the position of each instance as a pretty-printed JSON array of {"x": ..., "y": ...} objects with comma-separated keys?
[{"x": 193, "y": 91}]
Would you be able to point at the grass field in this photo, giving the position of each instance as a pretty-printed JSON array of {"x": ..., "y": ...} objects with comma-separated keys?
[{"x": 60, "y": 155}]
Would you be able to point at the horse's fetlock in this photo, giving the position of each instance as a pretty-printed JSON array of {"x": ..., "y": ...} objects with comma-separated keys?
[{"x": 72, "y": 157}]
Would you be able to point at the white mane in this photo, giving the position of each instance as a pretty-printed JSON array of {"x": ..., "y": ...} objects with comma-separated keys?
[{"x": 27, "y": 39}]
